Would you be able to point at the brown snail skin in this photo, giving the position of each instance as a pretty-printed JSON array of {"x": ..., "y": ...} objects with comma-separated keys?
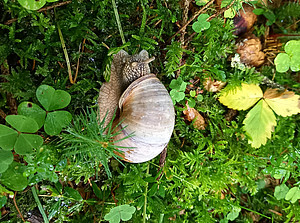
[{"x": 145, "y": 109}]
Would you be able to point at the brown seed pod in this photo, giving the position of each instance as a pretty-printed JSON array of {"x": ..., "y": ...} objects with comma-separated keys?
[
  {"x": 244, "y": 20},
  {"x": 250, "y": 51},
  {"x": 145, "y": 107}
]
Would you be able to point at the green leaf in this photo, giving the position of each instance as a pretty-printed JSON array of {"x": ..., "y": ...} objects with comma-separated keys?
[
  {"x": 27, "y": 142},
  {"x": 201, "y": 24},
  {"x": 34, "y": 111},
  {"x": 293, "y": 195},
  {"x": 56, "y": 121},
  {"x": 72, "y": 194},
  {"x": 259, "y": 124},
  {"x": 229, "y": 13},
  {"x": 3, "y": 200},
  {"x": 295, "y": 62},
  {"x": 282, "y": 62},
  {"x": 123, "y": 212},
  {"x": 177, "y": 96},
  {"x": 191, "y": 102},
  {"x": 22, "y": 123},
  {"x": 8, "y": 137},
  {"x": 97, "y": 190},
  {"x": 52, "y": 99},
  {"x": 178, "y": 84},
  {"x": 234, "y": 213},
  {"x": 281, "y": 191},
  {"x": 258, "y": 11},
  {"x": 13, "y": 177},
  {"x": 6, "y": 159},
  {"x": 32, "y": 4},
  {"x": 292, "y": 47}
]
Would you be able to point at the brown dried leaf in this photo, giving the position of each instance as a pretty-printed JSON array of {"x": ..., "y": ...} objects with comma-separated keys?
[
  {"x": 213, "y": 85},
  {"x": 244, "y": 20},
  {"x": 191, "y": 114}
]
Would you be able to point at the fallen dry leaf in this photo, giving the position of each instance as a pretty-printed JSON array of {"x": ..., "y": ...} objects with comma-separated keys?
[
  {"x": 213, "y": 85},
  {"x": 191, "y": 114},
  {"x": 244, "y": 20}
]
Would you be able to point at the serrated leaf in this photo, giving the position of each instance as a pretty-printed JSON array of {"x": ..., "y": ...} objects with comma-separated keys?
[
  {"x": 259, "y": 124},
  {"x": 27, "y": 142},
  {"x": 34, "y": 111},
  {"x": 123, "y": 212},
  {"x": 293, "y": 195},
  {"x": 72, "y": 193},
  {"x": 13, "y": 177},
  {"x": 22, "y": 123},
  {"x": 280, "y": 191},
  {"x": 56, "y": 121},
  {"x": 241, "y": 98},
  {"x": 52, "y": 99},
  {"x": 282, "y": 62},
  {"x": 6, "y": 159},
  {"x": 284, "y": 103},
  {"x": 32, "y": 4},
  {"x": 8, "y": 137}
]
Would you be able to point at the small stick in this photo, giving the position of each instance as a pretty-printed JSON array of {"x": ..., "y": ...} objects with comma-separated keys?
[
  {"x": 14, "y": 199},
  {"x": 77, "y": 67}
]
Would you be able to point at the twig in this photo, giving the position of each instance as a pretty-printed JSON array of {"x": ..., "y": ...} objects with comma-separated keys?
[
  {"x": 145, "y": 201},
  {"x": 14, "y": 199},
  {"x": 194, "y": 16},
  {"x": 77, "y": 67},
  {"x": 2, "y": 114},
  {"x": 41, "y": 10},
  {"x": 37, "y": 200},
  {"x": 118, "y": 21},
  {"x": 66, "y": 53}
]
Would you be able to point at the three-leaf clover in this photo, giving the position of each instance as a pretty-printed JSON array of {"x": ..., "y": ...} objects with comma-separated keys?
[
  {"x": 260, "y": 120},
  {"x": 50, "y": 99},
  {"x": 289, "y": 59},
  {"x": 123, "y": 212},
  {"x": 178, "y": 87},
  {"x": 201, "y": 24}
]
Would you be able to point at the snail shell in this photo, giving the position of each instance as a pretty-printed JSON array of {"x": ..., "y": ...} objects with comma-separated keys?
[{"x": 146, "y": 118}]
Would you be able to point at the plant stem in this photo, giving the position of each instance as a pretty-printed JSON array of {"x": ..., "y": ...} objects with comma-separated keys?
[
  {"x": 66, "y": 53},
  {"x": 142, "y": 29},
  {"x": 145, "y": 201},
  {"x": 118, "y": 21},
  {"x": 36, "y": 198}
]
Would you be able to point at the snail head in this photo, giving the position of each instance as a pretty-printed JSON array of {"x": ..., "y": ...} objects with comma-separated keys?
[{"x": 136, "y": 66}]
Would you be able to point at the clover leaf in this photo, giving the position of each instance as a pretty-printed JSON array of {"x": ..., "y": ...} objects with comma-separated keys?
[
  {"x": 123, "y": 212},
  {"x": 201, "y": 24},
  {"x": 178, "y": 87}
]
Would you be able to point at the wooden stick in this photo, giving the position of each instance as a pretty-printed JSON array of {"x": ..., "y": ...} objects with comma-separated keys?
[{"x": 14, "y": 199}]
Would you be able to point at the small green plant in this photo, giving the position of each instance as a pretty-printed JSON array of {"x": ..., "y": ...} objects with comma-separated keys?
[
  {"x": 178, "y": 88},
  {"x": 201, "y": 24},
  {"x": 123, "y": 212},
  {"x": 260, "y": 120},
  {"x": 289, "y": 59},
  {"x": 266, "y": 13},
  {"x": 50, "y": 99}
]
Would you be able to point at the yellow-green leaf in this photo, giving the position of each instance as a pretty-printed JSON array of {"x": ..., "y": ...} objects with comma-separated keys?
[
  {"x": 284, "y": 103},
  {"x": 242, "y": 98},
  {"x": 259, "y": 124}
]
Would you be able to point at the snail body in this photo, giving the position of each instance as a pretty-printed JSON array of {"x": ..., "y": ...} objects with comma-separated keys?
[{"x": 145, "y": 109}]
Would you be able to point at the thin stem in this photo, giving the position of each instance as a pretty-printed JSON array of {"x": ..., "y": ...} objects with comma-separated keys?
[
  {"x": 118, "y": 21},
  {"x": 254, "y": 212},
  {"x": 66, "y": 53},
  {"x": 145, "y": 201},
  {"x": 15, "y": 203},
  {"x": 37, "y": 200}
]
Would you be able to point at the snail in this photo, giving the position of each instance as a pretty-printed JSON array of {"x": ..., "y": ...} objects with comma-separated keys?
[{"x": 145, "y": 112}]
